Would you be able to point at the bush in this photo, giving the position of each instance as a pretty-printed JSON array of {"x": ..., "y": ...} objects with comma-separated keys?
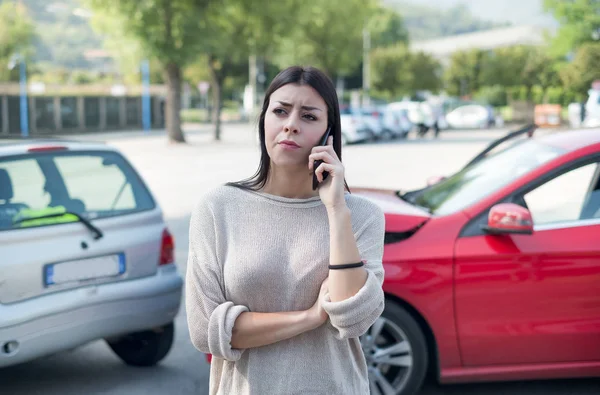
[
  {"x": 194, "y": 115},
  {"x": 493, "y": 95},
  {"x": 537, "y": 95},
  {"x": 555, "y": 95}
]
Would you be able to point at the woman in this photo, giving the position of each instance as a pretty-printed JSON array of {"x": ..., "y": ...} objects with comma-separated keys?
[{"x": 283, "y": 279}]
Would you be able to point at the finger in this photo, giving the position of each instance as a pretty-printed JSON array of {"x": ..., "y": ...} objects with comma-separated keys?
[
  {"x": 330, "y": 141},
  {"x": 325, "y": 167},
  {"x": 326, "y": 148},
  {"x": 323, "y": 155}
]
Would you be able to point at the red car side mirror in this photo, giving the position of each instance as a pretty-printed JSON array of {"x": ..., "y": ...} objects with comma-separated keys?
[{"x": 509, "y": 218}]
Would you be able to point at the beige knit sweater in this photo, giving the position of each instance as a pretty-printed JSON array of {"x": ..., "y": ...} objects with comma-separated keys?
[{"x": 250, "y": 251}]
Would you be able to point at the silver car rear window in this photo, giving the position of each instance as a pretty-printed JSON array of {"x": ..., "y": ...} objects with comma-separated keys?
[{"x": 93, "y": 184}]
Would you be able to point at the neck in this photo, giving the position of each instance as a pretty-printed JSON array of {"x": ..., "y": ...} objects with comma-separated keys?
[{"x": 290, "y": 183}]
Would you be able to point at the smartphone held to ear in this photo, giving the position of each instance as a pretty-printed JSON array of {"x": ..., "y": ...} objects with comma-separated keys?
[{"x": 318, "y": 162}]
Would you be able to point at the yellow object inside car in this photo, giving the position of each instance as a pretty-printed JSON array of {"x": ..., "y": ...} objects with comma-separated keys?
[{"x": 35, "y": 217}]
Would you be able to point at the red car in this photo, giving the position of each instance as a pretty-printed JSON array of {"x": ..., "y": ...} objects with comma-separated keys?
[{"x": 494, "y": 272}]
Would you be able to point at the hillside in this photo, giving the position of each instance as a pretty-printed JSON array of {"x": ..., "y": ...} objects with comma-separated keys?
[
  {"x": 64, "y": 33},
  {"x": 425, "y": 21},
  {"x": 513, "y": 11}
]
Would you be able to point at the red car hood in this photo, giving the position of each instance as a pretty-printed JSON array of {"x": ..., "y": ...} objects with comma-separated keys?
[{"x": 400, "y": 216}]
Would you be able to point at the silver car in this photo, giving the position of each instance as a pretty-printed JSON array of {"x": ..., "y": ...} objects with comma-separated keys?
[{"x": 84, "y": 255}]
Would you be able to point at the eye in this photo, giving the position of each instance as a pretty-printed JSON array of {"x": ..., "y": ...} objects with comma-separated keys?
[
  {"x": 279, "y": 111},
  {"x": 310, "y": 117}
]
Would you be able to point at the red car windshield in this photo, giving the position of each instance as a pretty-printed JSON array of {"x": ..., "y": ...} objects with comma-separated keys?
[{"x": 487, "y": 176}]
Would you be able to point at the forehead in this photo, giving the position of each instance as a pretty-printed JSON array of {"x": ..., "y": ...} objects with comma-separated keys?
[{"x": 303, "y": 95}]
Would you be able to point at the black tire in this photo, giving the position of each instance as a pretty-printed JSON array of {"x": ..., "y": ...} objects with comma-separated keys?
[
  {"x": 145, "y": 348},
  {"x": 406, "y": 380}
]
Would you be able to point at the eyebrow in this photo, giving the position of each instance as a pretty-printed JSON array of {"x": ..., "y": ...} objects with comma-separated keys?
[{"x": 308, "y": 108}]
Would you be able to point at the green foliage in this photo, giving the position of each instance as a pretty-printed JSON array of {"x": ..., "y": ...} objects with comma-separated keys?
[
  {"x": 493, "y": 95},
  {"x": 166, "y": 30},
  {"x": 585, "y": 68},
  {"x": 580, "y": 23},
  {"x": 16, "y": 35},
  {"x": 63, "y": 33},
  {"x": 520, "y": 67},
  {"x": 396, "y": 71},
  {"x": 391, "y": 72},
  {"x": 426, "y": 72},
  {"x": 327, "y": 34},
  {"x": 464, "y": 74},
  {"x": 387, "y": 28}
]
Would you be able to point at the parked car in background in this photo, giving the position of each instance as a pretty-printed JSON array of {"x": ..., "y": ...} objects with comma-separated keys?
[
  {"x": 355, "y": 127},
  {"x": 420, "y": 114},
  {"x": 395, "y": 122},
  {"x": 85, "y": 255},
  {"x": 373, "y": 118},
  {"x": 493, "y": 273},
  {"x": 471, "y": 116}
]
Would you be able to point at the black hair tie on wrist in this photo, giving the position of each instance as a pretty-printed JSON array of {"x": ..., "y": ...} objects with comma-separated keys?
[{"x": 346, "y": 266}]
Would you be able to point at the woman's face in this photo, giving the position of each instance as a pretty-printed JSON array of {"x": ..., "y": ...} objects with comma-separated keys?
[{"x": 295, "y": 122}]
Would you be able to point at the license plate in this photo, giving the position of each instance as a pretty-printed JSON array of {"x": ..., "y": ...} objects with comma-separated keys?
[{"x": 84, "y": 269}]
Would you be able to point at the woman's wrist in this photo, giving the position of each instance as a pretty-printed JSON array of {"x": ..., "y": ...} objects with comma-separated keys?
[
  {"x": 339, "y": 210},
  {"x": 311, "y": 319}
]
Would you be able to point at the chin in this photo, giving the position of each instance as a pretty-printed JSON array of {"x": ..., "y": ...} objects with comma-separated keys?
[{"x": 288, "y": 161}]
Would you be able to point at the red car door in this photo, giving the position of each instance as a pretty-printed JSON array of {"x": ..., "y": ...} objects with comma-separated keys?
[{"x": 523, "y": 299}]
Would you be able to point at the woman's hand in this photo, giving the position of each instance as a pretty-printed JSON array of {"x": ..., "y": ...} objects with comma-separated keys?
[
  {"x": 332, "y": 190},
  {"x": 316, "y": 314}
]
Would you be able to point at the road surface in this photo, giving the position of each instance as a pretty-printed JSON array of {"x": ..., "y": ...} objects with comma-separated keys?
[{"x": 177, "y": 175}]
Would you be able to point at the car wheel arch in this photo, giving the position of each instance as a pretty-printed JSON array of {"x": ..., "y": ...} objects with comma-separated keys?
[{"x": 433, "y": 370}]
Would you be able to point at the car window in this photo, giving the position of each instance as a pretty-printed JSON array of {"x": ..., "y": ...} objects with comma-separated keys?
[
  {"x": 29, "y": 190},
  {"x": 101, "y": 187},
  {"x": 485, "y": 177},
  {"x": 564, "y": 198},
  {"x": 91, "y": 184}
]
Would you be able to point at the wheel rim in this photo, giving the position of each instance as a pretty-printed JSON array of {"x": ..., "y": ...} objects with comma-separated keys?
[{"x": 389, "y": 357}]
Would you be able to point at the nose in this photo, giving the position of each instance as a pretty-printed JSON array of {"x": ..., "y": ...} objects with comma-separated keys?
[{"x": 291, "y": 124}]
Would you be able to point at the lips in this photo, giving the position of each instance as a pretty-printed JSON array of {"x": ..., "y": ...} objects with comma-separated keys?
[{"x": 289, "y": 144}]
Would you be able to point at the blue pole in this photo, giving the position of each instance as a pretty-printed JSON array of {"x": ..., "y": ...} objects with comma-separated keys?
[
  {"x": 146, "y": 111},
  {"x": 24, "y": 109}
]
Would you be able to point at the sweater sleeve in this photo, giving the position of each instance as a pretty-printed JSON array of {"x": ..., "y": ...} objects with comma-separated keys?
[
  {"x": 352, "y": 317},
  {"x": 210, "y": 316}
]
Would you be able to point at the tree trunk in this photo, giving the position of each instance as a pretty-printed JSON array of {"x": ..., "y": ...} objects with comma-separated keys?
[
  {"x": 173, "y": 105},
  {"x": 217, "y": 82}
]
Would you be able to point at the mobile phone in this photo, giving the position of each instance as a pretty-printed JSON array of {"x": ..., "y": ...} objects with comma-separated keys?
[{"x": 318, "y": 162}]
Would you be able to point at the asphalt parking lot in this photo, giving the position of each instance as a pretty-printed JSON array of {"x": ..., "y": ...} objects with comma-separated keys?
[{"x": 178, "y": 175}]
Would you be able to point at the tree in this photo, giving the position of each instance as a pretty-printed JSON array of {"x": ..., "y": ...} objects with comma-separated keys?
[
  {"x": 580, "y": 23},
  {"x": 237, "y": 29},
  {"x": 396, "y": 71},
  {"x": 169, "y": 31},
  {"x": 579, "y": 75},
  {"x": 519, "y": 66},
  {"x": 387, "y": 28},
  {"x": 464, "y": 74},
  {"x": 16, "y": 35},
  {"x": 426, "y": 72},
  {"x": 391, "y": 73},
  {"x": 327, "y": 34}
]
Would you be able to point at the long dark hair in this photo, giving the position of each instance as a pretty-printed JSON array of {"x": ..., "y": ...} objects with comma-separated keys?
[{"x": 320, "y": 82}]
